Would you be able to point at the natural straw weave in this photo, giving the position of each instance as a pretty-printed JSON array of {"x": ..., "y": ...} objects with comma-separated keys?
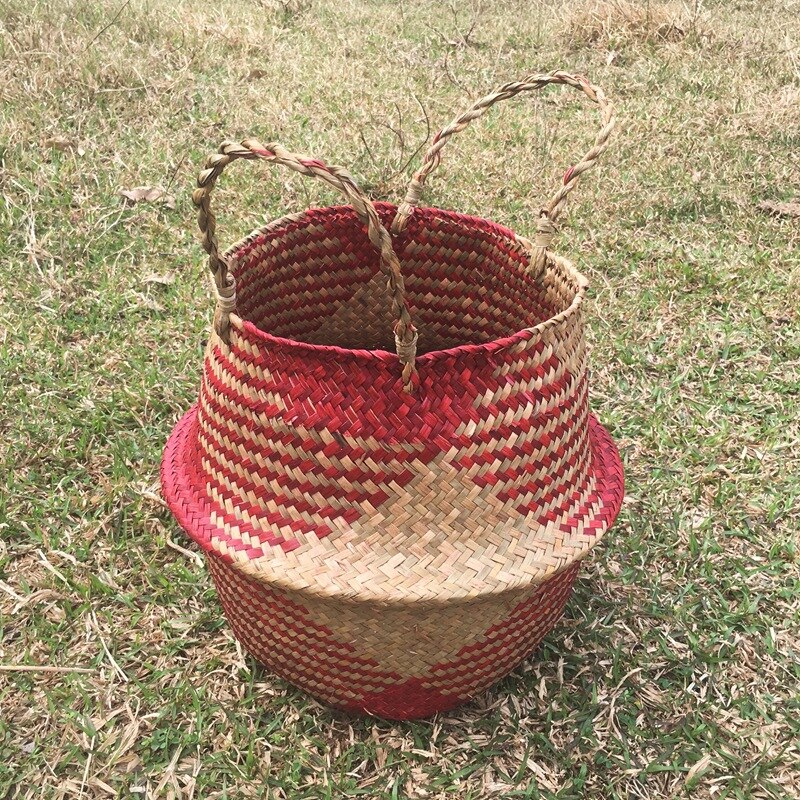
[{"x": 393, "y": 532}]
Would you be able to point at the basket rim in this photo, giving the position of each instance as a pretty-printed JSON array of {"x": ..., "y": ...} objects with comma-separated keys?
[{"x": 567, "y": 268}]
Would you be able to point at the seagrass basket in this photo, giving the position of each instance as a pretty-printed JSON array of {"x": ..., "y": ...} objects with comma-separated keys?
[{"x": 392, "y": 466}]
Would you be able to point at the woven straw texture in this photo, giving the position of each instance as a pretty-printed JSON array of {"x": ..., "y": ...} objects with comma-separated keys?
[{"x": 393, "y": 531}]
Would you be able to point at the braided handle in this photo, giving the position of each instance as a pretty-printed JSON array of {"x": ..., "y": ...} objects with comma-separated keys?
[
  {"x": 549, "y": 213},
  {"x": 251, "y": 149}
]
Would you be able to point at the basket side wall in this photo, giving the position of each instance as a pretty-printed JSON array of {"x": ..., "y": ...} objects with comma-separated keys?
[
  {"x": 400, "y": 663},
  {"x": 295, "y": 443}
]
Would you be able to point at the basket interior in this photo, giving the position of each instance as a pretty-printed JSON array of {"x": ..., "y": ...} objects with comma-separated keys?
[{"x": 316, "y": 278}]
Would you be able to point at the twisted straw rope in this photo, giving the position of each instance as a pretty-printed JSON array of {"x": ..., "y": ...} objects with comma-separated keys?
[
  {"x": 404, "y": 330},
  {"x": 549, "y": 213},
  {"x": 338, "y": 177}
]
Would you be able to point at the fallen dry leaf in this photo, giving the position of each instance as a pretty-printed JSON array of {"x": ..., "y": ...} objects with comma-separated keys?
[
  {"x": 167, "y": 279},
  {"x": 256, "y": 73},
  {"x": 698, "y": 769},
  {"x": 63, "y": 144},
  {"x": 59, "y": 143},
  {"x": 791, "y": 209},
  {"x": 147, "y": 194}
]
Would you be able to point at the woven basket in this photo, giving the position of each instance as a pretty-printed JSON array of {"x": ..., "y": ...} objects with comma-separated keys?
[{"x": 393, "y": 531}]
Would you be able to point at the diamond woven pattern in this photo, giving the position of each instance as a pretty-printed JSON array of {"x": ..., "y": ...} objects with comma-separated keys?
[{"x": 299, "y": 643}]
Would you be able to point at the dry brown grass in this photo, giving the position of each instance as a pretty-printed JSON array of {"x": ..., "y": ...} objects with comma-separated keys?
[
  {"x": 771, "y": 111},
  {"x": 613, "y": 23}
]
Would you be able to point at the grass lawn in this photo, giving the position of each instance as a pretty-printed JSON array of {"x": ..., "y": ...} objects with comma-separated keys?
[{"x": 676, "y": 670}]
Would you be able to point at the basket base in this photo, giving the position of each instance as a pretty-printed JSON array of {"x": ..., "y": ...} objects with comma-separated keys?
[{"x": 279, "y": 632}]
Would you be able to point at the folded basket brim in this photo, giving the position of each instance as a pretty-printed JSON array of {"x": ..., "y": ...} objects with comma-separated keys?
[{"x": 351, "y": 572}]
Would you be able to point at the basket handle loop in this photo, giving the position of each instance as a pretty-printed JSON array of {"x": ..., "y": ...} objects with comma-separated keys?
[
  {"x": 548, "y": 214},
  {"x": 404, "y": 331}
]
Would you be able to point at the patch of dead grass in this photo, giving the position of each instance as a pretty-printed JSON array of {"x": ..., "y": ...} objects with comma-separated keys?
[
  {"x": 772, "y": 111},
  {"x": 613, "y": 23}
]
